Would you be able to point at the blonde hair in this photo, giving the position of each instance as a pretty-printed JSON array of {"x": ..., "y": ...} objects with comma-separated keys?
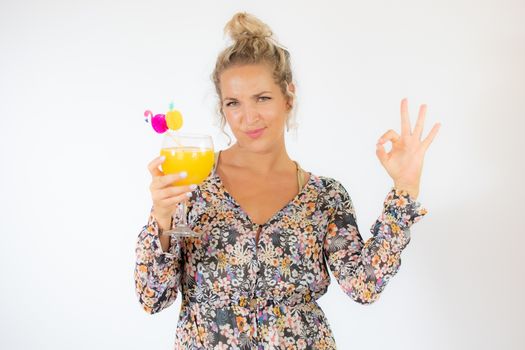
[{"x": 253, "y": 43}]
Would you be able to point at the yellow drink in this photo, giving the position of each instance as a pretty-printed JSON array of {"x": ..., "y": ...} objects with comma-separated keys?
[{"x": 196, "y": 161}]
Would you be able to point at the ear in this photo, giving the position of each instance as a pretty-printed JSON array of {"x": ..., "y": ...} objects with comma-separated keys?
[{"x": 291, "y": 88}]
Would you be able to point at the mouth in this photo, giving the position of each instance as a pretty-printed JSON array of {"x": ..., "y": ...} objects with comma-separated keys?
[{"x": 255, "y": 133}]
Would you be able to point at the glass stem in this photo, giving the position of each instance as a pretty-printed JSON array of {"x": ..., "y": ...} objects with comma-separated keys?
[{"x": 182, "y": 214}]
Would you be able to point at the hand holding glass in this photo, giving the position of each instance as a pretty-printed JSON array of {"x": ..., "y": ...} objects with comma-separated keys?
[{"x": 193, "y": 154}]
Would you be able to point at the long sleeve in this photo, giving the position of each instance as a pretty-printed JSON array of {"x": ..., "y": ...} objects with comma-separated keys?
[
  {"x": 363, "y": 269},
  {"x": 157, "y": 273}
]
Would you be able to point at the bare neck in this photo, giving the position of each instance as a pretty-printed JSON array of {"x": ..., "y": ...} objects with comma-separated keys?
[{"x": 263, "y": 163}]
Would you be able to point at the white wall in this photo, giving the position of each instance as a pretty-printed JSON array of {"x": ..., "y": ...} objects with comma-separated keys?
[{"x": 76, "y": 76}]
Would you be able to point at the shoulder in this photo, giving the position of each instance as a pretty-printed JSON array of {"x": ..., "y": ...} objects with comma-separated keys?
[
  {"x": 334, "y": 196},
  {"x": 329, "y": 183},
  {"x": 331, "y": 189}
]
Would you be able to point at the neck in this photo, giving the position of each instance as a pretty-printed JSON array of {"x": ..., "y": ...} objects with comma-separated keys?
[{"x": 265, "y": 162}]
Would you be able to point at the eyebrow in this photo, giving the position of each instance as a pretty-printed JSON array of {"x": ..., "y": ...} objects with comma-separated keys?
[{"x": 256, "y": 95}]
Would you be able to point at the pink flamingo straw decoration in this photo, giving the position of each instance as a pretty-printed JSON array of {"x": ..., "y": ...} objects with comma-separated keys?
[
  {"x": 161, "y": 123},
  {"x": 158, "y": 122}
]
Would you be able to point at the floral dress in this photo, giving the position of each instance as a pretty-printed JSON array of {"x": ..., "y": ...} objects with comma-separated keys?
[{"x": 242, "y": 293}]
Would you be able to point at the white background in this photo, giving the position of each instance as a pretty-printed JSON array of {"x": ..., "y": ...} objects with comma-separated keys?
[{"x": 76, "y": 76}]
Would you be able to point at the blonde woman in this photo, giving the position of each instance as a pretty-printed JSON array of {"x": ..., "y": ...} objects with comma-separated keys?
[{"x": 270, "y": 230}]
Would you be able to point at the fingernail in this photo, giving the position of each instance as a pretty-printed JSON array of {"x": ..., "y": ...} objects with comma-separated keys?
[
  {"x": 193, "y": 187},
  {"x": 162, "y": 158},
  {"x": 183, "y": 174},
  {"x": 188, "y": 194}
]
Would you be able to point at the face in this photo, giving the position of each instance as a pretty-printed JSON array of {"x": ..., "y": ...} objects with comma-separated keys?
[{"x": 254, "y": 106}]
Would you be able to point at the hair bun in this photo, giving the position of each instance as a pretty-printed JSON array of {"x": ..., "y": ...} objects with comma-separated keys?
[{"x": 245, "y": 26}]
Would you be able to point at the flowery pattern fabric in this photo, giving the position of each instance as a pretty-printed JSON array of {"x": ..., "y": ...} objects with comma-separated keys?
[{"x": 239, "y": 293}]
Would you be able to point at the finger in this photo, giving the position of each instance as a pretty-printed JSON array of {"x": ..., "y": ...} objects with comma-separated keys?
[
  {"x": 418, "y": 130},
  {"x": 381, "y": 153},
  {"x": 167, "y": 180},
  {"x": 390, "y": 135},
  {"x": 428, "y": 140},
  {"x": 174, "y": 200},
  {"x": 405, "y": 119},
  {"x": 153, "y": 166},
  {"x": 171, "y": 191}
]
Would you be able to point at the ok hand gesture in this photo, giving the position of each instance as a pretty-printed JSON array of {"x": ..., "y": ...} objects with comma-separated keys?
[{"x": 404, "y": 162}]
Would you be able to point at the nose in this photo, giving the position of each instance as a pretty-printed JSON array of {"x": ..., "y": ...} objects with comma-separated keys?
[{"x": 251, "y": 114}]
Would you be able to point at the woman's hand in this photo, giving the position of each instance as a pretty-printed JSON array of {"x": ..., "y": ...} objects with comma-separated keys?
[
  {"x": 404, "y": 162},
  {"x": 165, "y": 196}
]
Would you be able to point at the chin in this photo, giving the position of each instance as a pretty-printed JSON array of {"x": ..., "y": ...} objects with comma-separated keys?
[{"x": 257, "y": 146}]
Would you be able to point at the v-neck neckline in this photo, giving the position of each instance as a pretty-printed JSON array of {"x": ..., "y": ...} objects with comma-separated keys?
[{"x": 244, "y": 212}]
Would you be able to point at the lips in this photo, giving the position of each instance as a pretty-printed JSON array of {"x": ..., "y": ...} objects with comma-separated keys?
[{"x": 255, "y": 133}]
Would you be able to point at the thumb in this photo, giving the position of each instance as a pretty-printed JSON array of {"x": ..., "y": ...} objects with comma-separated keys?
[{"x": 381, "y": 153}]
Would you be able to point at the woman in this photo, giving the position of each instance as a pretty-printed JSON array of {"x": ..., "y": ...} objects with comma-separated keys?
[{"x": 270, "y": 230}]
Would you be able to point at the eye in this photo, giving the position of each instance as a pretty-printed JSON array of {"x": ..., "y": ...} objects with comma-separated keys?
[
  {"x": 231, "y": 103},
  {"x": 264, "y": 98}
]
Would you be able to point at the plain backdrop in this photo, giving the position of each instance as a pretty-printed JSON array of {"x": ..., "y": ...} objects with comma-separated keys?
[{"x": 76, "y": 77}]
